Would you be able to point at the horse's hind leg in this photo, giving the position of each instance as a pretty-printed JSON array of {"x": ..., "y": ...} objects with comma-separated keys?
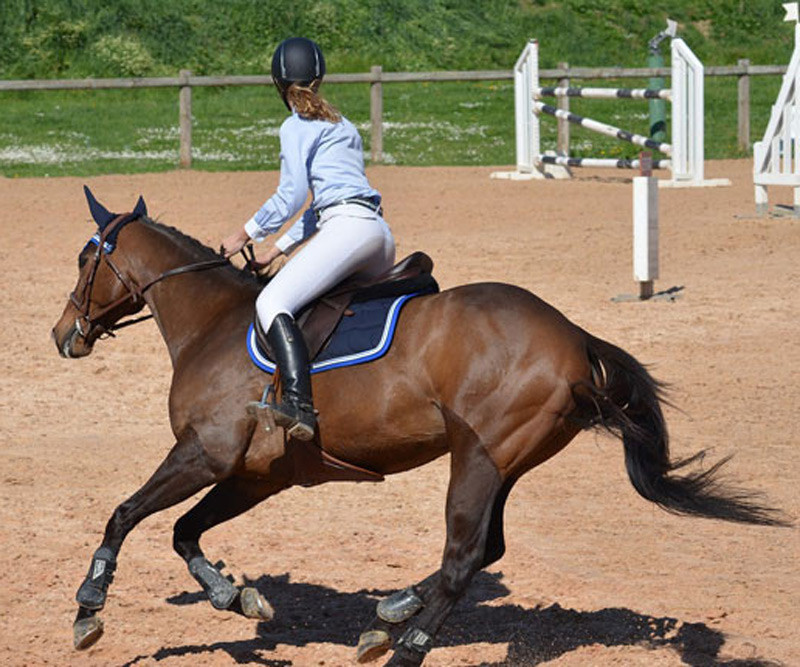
[
  {"x": 475, "y": 485},
  {"x": 184, "y": 472},
  {"x": 226, "y": 500}
]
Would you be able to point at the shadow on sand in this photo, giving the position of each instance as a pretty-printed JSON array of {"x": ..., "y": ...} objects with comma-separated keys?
[{"x": 308, "y": 614}]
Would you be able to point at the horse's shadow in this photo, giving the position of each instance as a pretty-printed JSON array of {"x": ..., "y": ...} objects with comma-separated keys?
[{"x": 308, "y": 614}]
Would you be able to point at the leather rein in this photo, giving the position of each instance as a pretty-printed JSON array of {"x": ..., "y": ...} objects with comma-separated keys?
[{"x": 135, "y": 293}]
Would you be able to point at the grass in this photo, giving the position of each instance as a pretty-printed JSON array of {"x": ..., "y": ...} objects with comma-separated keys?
[{"x": 59, "y": 133}]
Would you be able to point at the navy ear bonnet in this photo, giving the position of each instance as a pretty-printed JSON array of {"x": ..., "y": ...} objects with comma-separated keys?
[{"x": 102, "y": 216}]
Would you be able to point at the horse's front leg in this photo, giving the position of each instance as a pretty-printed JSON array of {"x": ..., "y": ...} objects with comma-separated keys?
[
  {"x": 475, "y": 502},
  {"x": 391, "y": 614},
  {"x": 474, "y": 486},
  {"x": 186, "y": 470},
  {"x": 394, "y": 611},
  {"x": 226, "y": 500}
]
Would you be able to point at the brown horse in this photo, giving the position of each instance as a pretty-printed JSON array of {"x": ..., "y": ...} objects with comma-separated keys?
[{"x": 488, "y": 373}]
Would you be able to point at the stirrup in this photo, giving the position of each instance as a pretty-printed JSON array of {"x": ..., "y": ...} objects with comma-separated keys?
[
  {"x": 291, "y": 418},
  {"x": 287, "y": 415},
  {"x": 262, "y": 410}
]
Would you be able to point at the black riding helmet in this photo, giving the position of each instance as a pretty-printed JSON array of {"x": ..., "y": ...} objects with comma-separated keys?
[{"x": 296, "y": 60}]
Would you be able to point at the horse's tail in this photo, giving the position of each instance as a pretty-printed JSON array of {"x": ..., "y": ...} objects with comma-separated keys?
[{"x": 624, "y": 399}]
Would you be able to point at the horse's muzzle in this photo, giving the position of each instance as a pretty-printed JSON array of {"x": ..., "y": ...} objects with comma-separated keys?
[{"x": 72, "y": 344}]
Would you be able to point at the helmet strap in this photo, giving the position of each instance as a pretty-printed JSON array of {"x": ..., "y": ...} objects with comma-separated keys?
[{"x": 282, "y": 89}]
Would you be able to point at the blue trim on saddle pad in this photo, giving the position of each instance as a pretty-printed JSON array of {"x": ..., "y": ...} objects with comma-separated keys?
[{"x": 364, "y": 336}]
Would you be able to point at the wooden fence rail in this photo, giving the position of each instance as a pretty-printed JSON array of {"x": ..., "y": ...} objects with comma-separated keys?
[{"x": 376, "y": 77}]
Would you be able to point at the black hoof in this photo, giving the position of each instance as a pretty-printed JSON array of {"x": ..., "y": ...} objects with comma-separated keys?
[
  {"x": 400, "y": 606},
  {"x": 87, "y": 631},
  {"x": 254, "y": 605}
]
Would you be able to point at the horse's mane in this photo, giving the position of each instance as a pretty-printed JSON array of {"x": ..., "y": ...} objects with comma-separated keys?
[{"x": 200, "y": 250}]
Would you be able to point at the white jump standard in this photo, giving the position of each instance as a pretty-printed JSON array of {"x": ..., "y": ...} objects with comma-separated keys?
[
  {"x": 776, "y": 158},
  {"x": 685, "y": 151}
]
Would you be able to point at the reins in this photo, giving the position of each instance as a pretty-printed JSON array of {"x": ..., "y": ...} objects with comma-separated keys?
[
  {"x": 135, "y": 293},
  {"x": 188, "y": 268}
]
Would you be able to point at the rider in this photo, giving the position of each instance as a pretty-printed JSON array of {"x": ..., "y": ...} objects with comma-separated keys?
[{"x": 321, "y": 151}]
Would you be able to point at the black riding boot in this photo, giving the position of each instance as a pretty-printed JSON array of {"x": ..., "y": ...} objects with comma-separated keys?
[{"x": 295, "y": 412}]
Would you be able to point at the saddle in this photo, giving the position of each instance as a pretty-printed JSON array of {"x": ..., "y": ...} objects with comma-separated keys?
[{"x": 318, "y": 320}]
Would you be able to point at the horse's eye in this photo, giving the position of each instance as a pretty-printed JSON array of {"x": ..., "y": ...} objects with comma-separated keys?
[{"x": 82, "y": 259}]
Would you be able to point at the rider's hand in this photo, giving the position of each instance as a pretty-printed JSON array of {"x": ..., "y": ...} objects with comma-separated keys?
[
  {"x": 234, "y": 243},
  {"x": 269, "y": 262},
  {"x": 266, "y": 258}
]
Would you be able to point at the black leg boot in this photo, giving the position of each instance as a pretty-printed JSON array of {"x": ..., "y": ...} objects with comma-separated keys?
[{"x": 295, "y": 412}]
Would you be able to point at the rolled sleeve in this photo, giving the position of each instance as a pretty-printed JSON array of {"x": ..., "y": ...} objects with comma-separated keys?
[
  {"x": 253, "y": 230},
  {"x": 304, "y": 227}
]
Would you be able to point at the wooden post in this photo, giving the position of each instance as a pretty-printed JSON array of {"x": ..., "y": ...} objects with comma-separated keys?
[
  {"x": 185, "y": 97},
  {"x": 744, "y": 107},
  {"x": 562, "y": 144},
  {"x": 376, "y": 113}
]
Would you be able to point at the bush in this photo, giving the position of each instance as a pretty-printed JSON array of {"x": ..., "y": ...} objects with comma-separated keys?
[{"x": 116, "y": 55}]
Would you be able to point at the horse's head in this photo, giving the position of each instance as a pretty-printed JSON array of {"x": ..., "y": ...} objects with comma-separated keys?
[{"x": 102, "y": 295}]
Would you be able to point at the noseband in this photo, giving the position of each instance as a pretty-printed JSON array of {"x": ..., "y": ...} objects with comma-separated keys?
[{"x": 135, "y": 294}]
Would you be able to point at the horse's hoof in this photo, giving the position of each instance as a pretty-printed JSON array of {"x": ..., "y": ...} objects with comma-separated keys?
[
  {"x": 372, "y": 644},
  {"x": 86, "y": 631},
  {"x": 399, "y": 606},
  {"x": 255, "y": 605}
]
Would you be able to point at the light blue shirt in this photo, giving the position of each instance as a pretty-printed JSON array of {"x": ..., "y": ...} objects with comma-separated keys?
[{"x": 328, "y": 159}]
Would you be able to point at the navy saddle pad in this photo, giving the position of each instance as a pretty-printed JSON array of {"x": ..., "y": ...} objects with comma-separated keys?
[{"x": 364, "y": 336}]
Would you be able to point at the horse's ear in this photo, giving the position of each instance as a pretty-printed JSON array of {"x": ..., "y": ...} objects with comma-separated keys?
[
  {"x": 141, "y": 208},
  {"x": 102, "y": 216}
]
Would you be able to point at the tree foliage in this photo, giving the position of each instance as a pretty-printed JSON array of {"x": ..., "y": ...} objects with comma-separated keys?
[{"x": 76, "y": 38}]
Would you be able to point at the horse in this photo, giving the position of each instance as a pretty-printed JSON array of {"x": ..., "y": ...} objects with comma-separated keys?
[{"x": 487, "y": 372}]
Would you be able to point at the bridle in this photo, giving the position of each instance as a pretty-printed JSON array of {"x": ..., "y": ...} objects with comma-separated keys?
[{"x": 84, "y": 324}]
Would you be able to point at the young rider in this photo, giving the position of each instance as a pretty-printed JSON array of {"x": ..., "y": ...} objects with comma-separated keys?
[{"x": 321, "y": 151}]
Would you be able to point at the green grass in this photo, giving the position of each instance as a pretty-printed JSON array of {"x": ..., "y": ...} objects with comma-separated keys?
[{"x": 55, "y": 133}]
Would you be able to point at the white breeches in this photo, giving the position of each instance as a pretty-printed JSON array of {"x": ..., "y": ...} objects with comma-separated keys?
[{"x": 351, "y": 240}]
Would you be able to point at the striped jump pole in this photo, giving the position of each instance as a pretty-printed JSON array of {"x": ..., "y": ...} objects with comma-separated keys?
[
  {"x": 602, "y": 128},
  {"x": 605, "y": 93},
  {"x": 563, "y": 161}
]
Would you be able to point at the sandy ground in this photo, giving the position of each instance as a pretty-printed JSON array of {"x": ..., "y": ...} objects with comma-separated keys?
[{"x": 593, "y": 574}]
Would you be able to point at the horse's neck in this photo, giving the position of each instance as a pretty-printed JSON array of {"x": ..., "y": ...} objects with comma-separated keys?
[{"x": 186, "y": 307}]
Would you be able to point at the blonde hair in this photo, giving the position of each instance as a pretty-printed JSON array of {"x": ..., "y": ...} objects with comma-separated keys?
[{"x": 309, "y": 104}]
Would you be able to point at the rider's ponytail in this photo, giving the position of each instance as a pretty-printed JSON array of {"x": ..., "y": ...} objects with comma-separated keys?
[{"x": 309, "y": 104}]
